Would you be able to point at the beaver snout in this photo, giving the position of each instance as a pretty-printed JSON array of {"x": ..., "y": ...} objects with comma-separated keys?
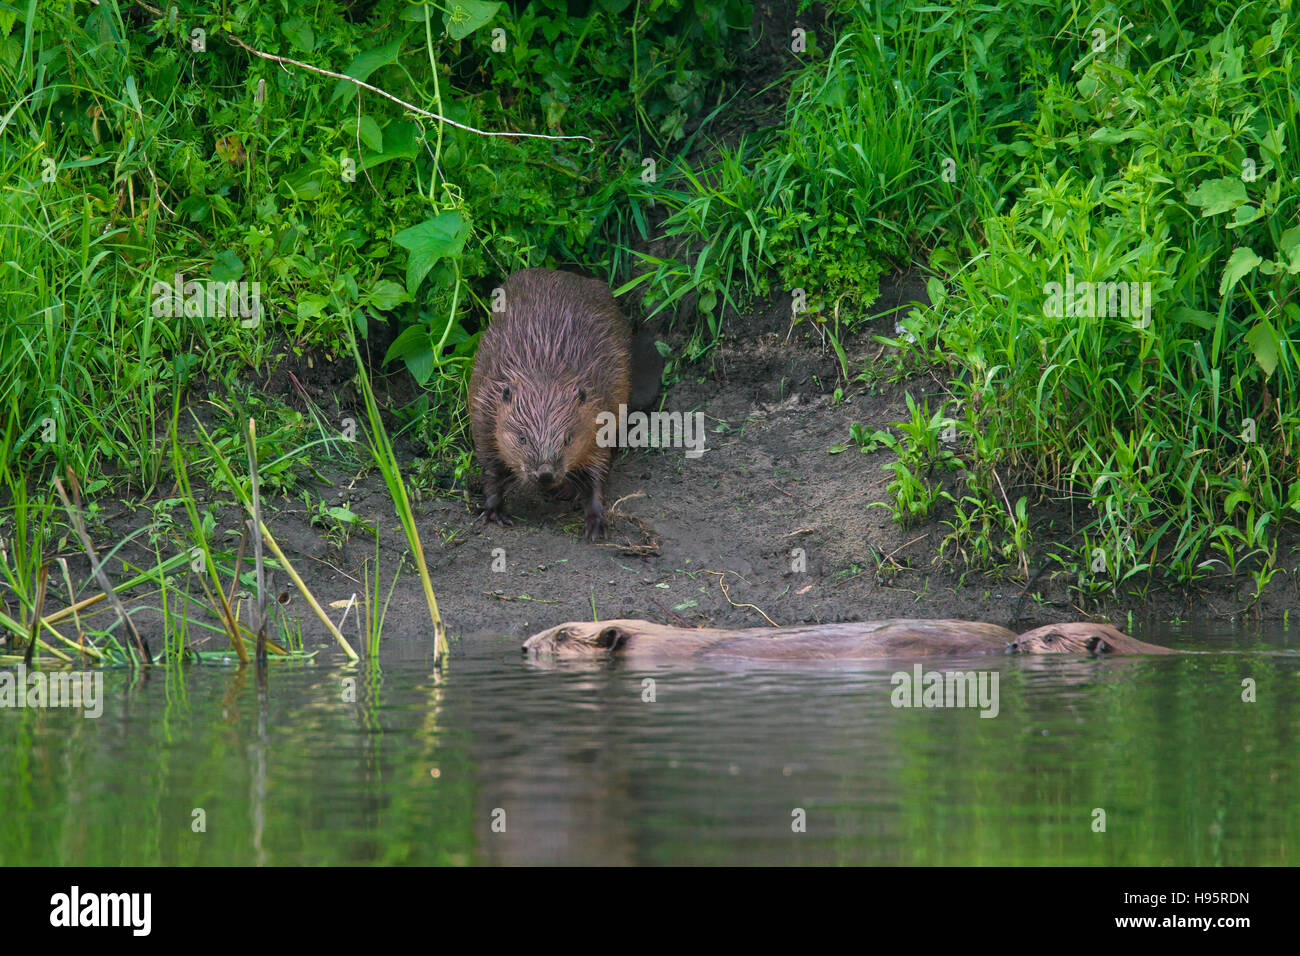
[{"x": 546, "y": 471}]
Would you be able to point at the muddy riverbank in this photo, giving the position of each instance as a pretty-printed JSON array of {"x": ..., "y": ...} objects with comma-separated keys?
[{"x": 773, "y": 524}]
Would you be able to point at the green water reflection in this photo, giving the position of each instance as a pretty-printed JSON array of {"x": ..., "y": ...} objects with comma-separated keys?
[{"x": 500, "y": 762}]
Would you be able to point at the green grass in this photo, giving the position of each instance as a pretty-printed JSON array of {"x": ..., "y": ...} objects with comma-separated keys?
[
  {"x": 1175, "y": 431},
  {"x": 134, "y": 160},
  {"x": 1003, "y": 149},
  {"x": 1007, "y": 149}
]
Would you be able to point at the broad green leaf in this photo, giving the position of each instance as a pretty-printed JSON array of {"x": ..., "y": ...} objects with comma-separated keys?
[
  {"x": 400, "y": 141},
  {"x": 1234, "y": 499},
  {"x": 1184, "y": 313},
  {"x": 1273, "y": 142},
  {"x": 463, "y": 17},
  {"x": 386, "y": 295},
  {"x": 133, "y": 95},
  {"x": 1243, "y": 215},
  {"x": 303, "y": 184},
  {"x": 414, "y": 348},
  {"x": 227, "y": 267},
  {"x": 1240, "y": 265},
  {"x": 1276, "y": 31},
  {"x": 363, "y": 65},
  {"x": 370, "y": 133},
  {"x": 1218, "y": 195},
  {"x": 1289, "y": 247},
  {"x": 299, "y": 33},
  {"x": 442, "y": 236},
  {"x": 1107, "y": 134},
  {"x": 935, "y": 291},
  {"x": 1263, "y": 342},
  {"x": 310, "y": 306}
]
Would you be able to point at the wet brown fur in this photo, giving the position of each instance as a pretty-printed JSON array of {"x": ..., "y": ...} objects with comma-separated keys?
[
  {"x": 867, "y": 640},
  {"x": 1082, "y": 638},
  {"x": 547, "y": 366}
]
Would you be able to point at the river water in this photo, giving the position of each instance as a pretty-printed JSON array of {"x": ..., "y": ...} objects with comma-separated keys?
[{"x": 1111, "y": 761}]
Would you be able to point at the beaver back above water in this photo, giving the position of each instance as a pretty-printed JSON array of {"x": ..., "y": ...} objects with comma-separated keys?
[
  {"x": 867, "y": 640},
  {"x": 553, "y": 360}
]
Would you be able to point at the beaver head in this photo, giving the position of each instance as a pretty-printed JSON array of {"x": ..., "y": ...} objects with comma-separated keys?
[
  {"x": 1053, "y": 640},
  {"x": 1081, "y": 638},
  {"x": 546, "y": 428},
  {"x": 581, "y": 639}
]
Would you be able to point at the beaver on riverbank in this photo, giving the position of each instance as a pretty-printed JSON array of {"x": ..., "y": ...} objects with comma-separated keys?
[
  {"x": 867, "y": 640},
  {"x": 552, "y": 359}
]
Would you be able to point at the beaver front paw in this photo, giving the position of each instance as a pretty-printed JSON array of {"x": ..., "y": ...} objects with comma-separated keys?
[
  {"x": 497, "y": 516},
  {"x": 595, "y": 526}
]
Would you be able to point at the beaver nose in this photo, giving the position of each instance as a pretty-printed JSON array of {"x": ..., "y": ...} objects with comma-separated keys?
[{"x": 545, "y": 475}]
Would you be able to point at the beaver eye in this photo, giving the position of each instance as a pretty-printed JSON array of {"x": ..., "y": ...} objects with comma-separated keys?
[
  {"x": 505, "y": 393},
  {"x": 582, "y": 395},
  {"x": 568, "y": 438}
]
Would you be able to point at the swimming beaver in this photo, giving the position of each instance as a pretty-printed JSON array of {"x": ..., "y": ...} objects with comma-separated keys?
[
  {"x": 903, "y": 638},
  {"x": 547, "y": 366},
  {"x": 1082, "y": 639}
]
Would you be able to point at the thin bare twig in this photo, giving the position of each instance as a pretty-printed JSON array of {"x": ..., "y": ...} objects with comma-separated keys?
[
  {"x": 286, "y": 61},
  {"x": 890, "y": 557},
  {"x": 722, "y": 583}
]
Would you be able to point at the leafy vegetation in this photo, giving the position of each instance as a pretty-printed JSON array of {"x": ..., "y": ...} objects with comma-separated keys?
[
  {"x": 196, "y": 194},
  {"x": 1158, "y": 166},
  {"x": 194, "y": 191},
  {"x": 145, "y": 150},
  {"x": 1106, "y": 198}
]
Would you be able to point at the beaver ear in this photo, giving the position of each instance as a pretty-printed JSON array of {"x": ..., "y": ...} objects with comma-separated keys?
[
  {"x": 611, "y": 638},
  {"x": 1098, "y": 645}
]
